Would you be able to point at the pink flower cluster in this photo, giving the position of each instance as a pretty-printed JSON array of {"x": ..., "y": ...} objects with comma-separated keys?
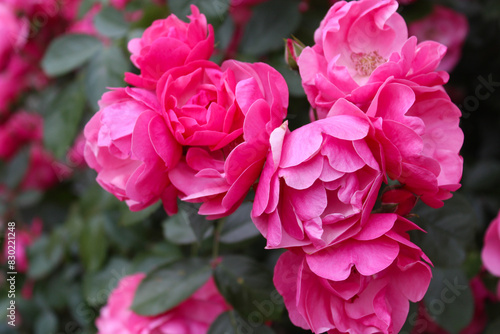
[
  {"x": 192, "y": 316},
  {"x": 379, "y": 112},
  {"x": 189, "y": 128}
]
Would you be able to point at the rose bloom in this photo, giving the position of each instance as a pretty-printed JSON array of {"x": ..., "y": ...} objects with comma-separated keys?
[
  {"x": 21, "y": 128},
  {"x": 185, "y": 43},
  {"x": 491, "y": 249},
  {"x": 360, "y": 285},
  {"x": 447, "y": 27},
  {"x": 192, "y": 316},
  {"x": 119, "y": 146},
  {"x": 24, "y": 238},
  {"x": 223, "y": 117},
  {"x": 364, "y": 42},
  {"x": 417, "y": 128},
  {"x": 319, "y": 184}
]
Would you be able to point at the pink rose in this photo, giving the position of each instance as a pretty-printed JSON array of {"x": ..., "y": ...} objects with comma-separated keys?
[
  {"x": 24, "y": 238},
  {"x": 491, "y": 250},
  {"x": 360, "y": 285},
  {"x": 14, "y": 32},
  {"x": 224, "y": 117},
  {"x": 319, "y": 184},
  {"x": 21, "y": 128},
  {"x": 363, "y": 42},
  {"x": 447, "y": 27},
  {"x": 44, "y": 171},
  {"x": 192, "y": 316},
  {"x": 185, "y": 42},
  {"x": 418, "y": 130},
  {"x": 120, "y": 148}
]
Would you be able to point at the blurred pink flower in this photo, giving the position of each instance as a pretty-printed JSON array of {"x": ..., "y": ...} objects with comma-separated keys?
[
  {"x": 360, "y": 285},
  {"x": 319, "y": 184},
  {"x": 447, "y": 27},
  {"x": 75, "y": 155},
  {"x": 44, "y": 171},
  {"x": 13, "y": 80},
  {"x": 14, "y": 32},
  {"x": 24, "y": 237},
  {"x": 225, "y": 116},
  {"x": 192, "y": 316},
  {"x": 21, "y": 128},
  {"x": 125, "y": 140},
  {"x": 185, "y": 42}
]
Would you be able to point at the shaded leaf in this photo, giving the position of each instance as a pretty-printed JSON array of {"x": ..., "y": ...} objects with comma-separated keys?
[
  {"x": 62, "y": 118},
  {"x": 111, "y": 23},
  {"x": 46, "y": 322},
  {"x": 98, "y": 286},
  {"x": 68, "y": 52},
  {"x": 169, "y": 285},
  {"x": 450, "y": 230},
  {"x": 14, "y": 171},
  {"x": 271, "y": 22},
  {"x": 45, "y": 254},
  {"x": 449, "y": 300},
  {"x": 248, "y": 287},
  {"x": 94, "y": 243},
  {"x": 105, "y": 70},
  {"x": 231, "y": 322},
  {"x": 213, "y": 10},
  {"x": 239, "y": 226}
]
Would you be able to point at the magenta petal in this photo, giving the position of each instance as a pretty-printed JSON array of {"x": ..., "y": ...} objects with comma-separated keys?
[{"x": 369, "y": 257}]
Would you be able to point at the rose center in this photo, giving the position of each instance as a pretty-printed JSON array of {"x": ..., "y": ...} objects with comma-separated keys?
[{"x": 366, "y": 63}]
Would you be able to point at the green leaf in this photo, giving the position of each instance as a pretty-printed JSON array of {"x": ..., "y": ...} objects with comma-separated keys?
[
  {"x": 44, "y": 255},
  {"x": 177, "y": 229},
  {"x": 198, "y": 223},
  {"x": 248, "y": 287},
  {"x": 62, "y": 117},
  {"x": 239, "y": 226},
  {"x": 493, "y": 328},
  {"x": 46, "y": 322},
  {"x": 449, "y": 300},
  {"x": 231, "y": 322},
  {"x": 128, "y": 217},
  {"x": 111, "y": 23},
  {"x": 105, "y": 70},
  {"x": 98, "y": 286},
  {"x": 158, "y": 255},
  {"x": 169, "y": 285},
  {"x": 14, "y": 171},
  {"x": 94, "y": 243},
  {"x": 213, "y": 10},
  {"x": 450, "y": 230},
  {"x": 271, "y": 22},
  {"x": 69, "y": 52}
]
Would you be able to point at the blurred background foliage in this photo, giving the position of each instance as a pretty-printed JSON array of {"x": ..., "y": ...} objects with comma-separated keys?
[{"x": 90, "y": 240}]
